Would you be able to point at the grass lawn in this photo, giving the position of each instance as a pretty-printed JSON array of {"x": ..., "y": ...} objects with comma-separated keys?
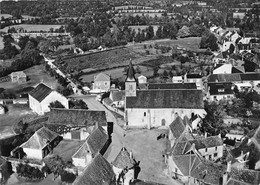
[
  {"x": 32, "y": 27},
  {"x": 66, "y": 148},
  {"x": 190, "y": 43},
  {"x": 36, "y": 74},
  {"x": 13, "y": 116}
]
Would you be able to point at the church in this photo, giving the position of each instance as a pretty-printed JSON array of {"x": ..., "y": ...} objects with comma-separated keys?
[{"x": 159, "y": 107}]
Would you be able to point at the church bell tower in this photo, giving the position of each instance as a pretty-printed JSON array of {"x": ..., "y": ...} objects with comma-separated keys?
[{"x": 130, "y": 82}]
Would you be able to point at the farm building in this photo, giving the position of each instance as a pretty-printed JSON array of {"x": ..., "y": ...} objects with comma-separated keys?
[
  {"x": 159, "y": 107},
  {"x": 97, "y": 142},
  {"x": 77, "y": 122},
  {"x": 101, "y": 82},
  {"x": 18, "y": 76},
  {"x": 40, "y": 144},
  {"x": 41, "y": 97}
]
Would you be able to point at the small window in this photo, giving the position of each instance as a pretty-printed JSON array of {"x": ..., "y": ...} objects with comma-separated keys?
[
  {"x": 144, "y": 113},
  {"x": 216, "y": 148},
  {"x": 215, "y": 154},
  {"x": 206, "y": 150}
]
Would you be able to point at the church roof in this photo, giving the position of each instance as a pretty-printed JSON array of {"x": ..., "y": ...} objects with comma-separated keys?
[
  {"x": 172, "y": 86},
  {"x": 177, "y": 98},
  {"x": 130, "y": 73}
]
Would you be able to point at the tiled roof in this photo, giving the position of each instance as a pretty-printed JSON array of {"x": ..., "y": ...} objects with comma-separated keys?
[
  {"x": 177, "y": 127},
  {"x": 220, "y": 88},
  {"x": 102, "y": 77},
  {"x": 232, "y": 181},
  {"x": 208, "y": 142},
  {"x": 245, "y": 175},
  {"x": 40, "y": 139},
  {"x": 208, "y": 172},
  {"x": 181, "y": 98},
  {"x": 124, "y": 160},
  {"x": 224, "y": 77},
  {"x": 194, "y": 75},
  {"x": 256, "y": 137},
  {"x": 40, "y": 92},
  {"x": 98, "y": 172},
  {"x": 172, "y": 86},
  {"x": 180, "y": 148},
  {"x": 93, "y": 144},
  {"x": 238, "y": 69},
  {"x": 117, "y": 95},
  {"x": 185, "y": 163},
  {"x": 250, "y": 76},
  {"x": 77, "y": 117}
]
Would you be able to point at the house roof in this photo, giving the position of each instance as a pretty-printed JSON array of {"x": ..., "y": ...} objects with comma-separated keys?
[
  {"x": 222, "y": 55},
  {"x": 18, "y": 73},
  {"x": 238, "y": 69},
  {"x": 232, "y": 181},
  {"x": 220, "y": 88},
  {"x": 77, "y": 117},
  {"x": 256, "y": 137},
  {"x": 177, "y": 127},
  {"x": 184, "y": 98},
  {"x": 208, "y": 172},
  {"x": 98, "y": 172},
  {"x": 93, "y": 144},
  {"x": 40, "y": 139},
  {"x": 40, "y": 92},
  {"x": 124, "y": 160},
  {"x": 180, "y": 148},
  {"x": 102, "y": 77},
  {"x": 194, "y": 75},
  {"x": 207, "y": 142},
  {"x": 185, "y": 163},
  {"x": 117, "y": 95},
  {"x": 172, "y": 86},
  {"x": 224, "y": 77},
  {"x": 250, "y": 76},
  {"x": 245, "y": 175}
]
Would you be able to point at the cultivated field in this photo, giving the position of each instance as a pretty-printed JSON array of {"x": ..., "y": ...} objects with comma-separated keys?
[
  {"x": 102, "y": 60},
  {"x": 32, "y": 27},
  {"x": 190, "y": 43},
  {"x": 117, "y": 73}
]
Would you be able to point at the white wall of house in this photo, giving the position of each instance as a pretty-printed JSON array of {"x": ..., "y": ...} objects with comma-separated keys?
[
  {"x": 198, "y": 82},
  {"x": 33, "y": 153},
  {"x": 83, "y": 134},
  {"x": 177, "y": 79},
  {"x": 54, "y": 96},
  {"x": 220, "y": 97},
  {"x": 212, "y": 153},
  {"x": 142, "y": 79},
  {"x": 82, "y": 162},
  {"x": 102, "y": 85},
  {"x": 35, "y": 105},
  {"x": 117, "y": 171},
  {"x": 174, "y": 171},
  {"x": 158, "y": 117}
]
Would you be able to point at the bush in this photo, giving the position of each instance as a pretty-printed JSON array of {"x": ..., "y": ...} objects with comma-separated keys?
[
  {"x": 29, "y": 172},
  {"x": 67, "y": 177}
]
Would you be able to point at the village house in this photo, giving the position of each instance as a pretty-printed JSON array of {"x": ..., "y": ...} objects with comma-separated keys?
[
  {"x": 101, "y": 83},
  {"x": 117, "y": 98},
  {"x": 124, "y": 167},
  {"x": 40, "y": 144},
  {"x": 18, "y": 76},
  {"x": 194, "y": 78},
  {"x": 159, "y": 107},
  {"x": 41, "y": 97},
  {"x": 219, "y": 91},
  {"x": 78, "y": 123},
  {"x": 96, "y": 142},
  {"x": 177, "y": 79},
  {"x": 98, "y": 172}
]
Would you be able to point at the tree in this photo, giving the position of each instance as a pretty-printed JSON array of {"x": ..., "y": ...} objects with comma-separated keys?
[
  {"x": 149, "y": 33},
  {"x": 213, "y": 121},
  {"x": 9, "y": 50},
  {"x": 159, "y": 32},
  {"x": 208, "y": 40},
  {"x": 56, "y": 104},
  {"x": 77, "y": 104},
  {"x": 23, "y": 41},
  {"x": 184, "y": 32}
]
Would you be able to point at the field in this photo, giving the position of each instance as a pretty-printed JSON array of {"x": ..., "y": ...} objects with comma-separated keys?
[
  {"x": 102, "y": 60},
  {"x": 117, "y": 73},
  {"x": 190, "y": 43},
  {"x": 36, "y": 74},
  {"x": 32, "y": 27}
]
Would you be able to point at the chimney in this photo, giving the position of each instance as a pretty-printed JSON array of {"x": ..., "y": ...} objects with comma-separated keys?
[
  {"x": 228, "y": 166},
  {"x": 206, "y": 135}
]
